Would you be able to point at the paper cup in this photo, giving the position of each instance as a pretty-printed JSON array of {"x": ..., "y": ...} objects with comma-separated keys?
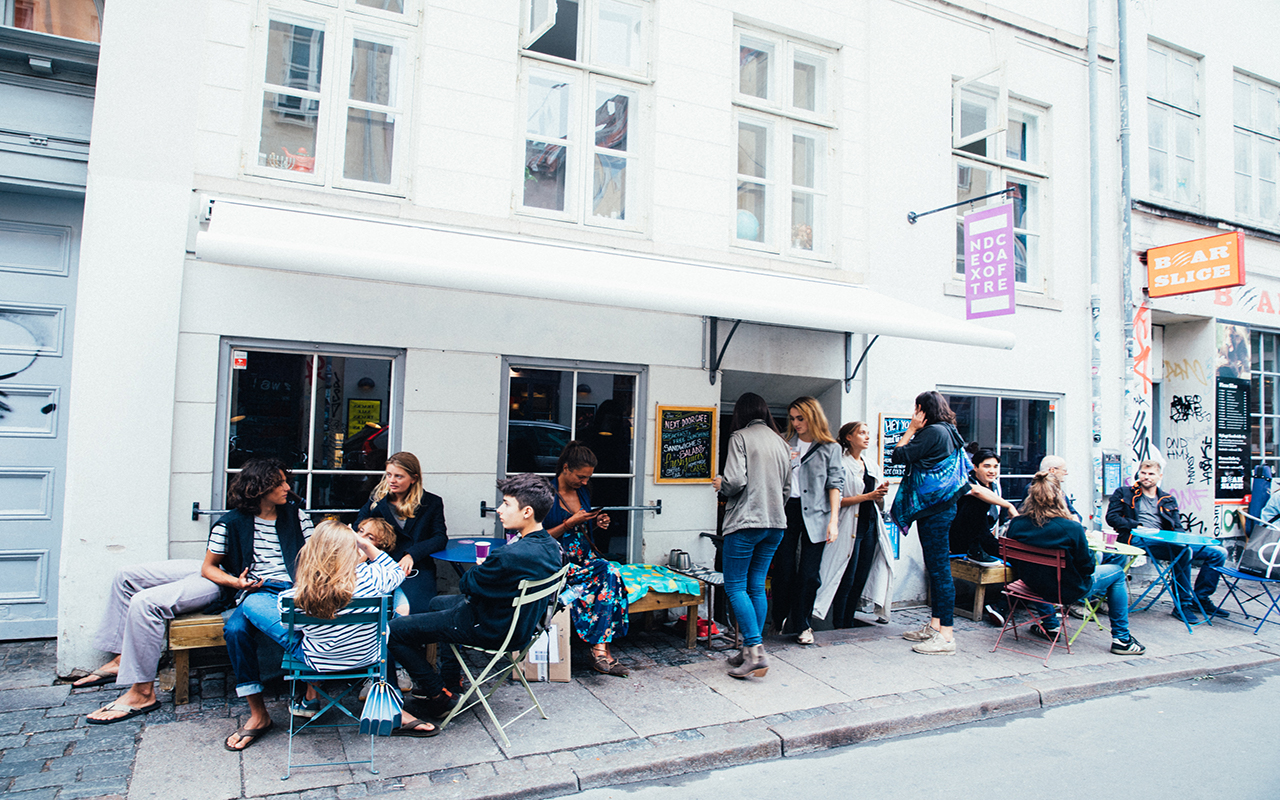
[
  {"x": 482, "y": 552},
  {"x": 1109, "y": 539}
]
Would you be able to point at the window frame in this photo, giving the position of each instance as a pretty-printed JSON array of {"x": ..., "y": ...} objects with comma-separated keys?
[
  {"x": 1253, "y": 131},
  {"x": 640, "y": 445},
  {"x": 783, "y": 122},
  {"x": 342, "y": 22},
  {"x": 1175, "y": 113},
  {"x": 1054, "y": 400},
  {"x": 588, "y": 78},
  {"x": 222, "y": 430}
]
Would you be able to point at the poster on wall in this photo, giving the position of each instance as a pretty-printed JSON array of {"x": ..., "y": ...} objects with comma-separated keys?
[
  {"x": 1233, "y": 462},
  {"x": 891, "y": 430},
  {"x": 361, "y": 412},
  {"x": 686, "y": 444}
]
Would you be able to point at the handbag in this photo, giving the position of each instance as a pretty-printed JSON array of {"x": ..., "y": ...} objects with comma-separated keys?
[
  {"x": 923, "y": 489},
  {"x": 1261, "y": 554},
  {"x": 382, "y": 709}
]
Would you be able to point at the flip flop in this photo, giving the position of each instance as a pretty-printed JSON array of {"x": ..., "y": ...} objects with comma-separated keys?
[
  {"x": 100, "y": 678},
  {"x": 130, "y": 712},
  {"x": 253, "y": 735},
  {"x": 416, "y": 732}
]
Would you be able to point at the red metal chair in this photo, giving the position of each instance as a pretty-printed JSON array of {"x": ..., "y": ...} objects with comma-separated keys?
[{"x": 1019, "y": 594}]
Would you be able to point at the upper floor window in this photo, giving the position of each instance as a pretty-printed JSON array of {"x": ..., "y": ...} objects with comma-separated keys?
[
  {"x": 996, "y": 142},
  {"x": 1173, "y": 124},
  {"x": 335, "y": 87},
  {"x": 74, "y": 19},
  {"x": 583, "y": 82},
  {"x": 1257, "y": 148},
  {"x": 784, "y": 121}
]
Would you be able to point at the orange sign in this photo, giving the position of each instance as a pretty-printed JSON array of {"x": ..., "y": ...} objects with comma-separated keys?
[{"x": 1195, "y": 266}]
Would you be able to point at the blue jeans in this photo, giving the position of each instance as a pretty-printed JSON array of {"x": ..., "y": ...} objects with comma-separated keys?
[
  {"x": 746, "y": 558},
  {"x": 1107, "y": 579},
  {"x": 935, "y": 541},
  {"x": 260, "y": 610}
]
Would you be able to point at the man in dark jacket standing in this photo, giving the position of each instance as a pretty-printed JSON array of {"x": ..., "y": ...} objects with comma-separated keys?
[{"x": 1145, "y": 505}]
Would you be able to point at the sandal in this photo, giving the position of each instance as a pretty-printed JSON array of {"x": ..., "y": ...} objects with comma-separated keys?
[
  {"x": 248, "y": 736},
  {"x": 416, "y": 730},
  {"x": 607, "y": 665},
  {"x": 100, "y": 678},
  {"x": 130, "y": 712}
]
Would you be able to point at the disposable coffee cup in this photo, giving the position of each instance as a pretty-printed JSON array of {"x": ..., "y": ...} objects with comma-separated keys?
[
  {"x": 482, "y": 552},
  {"x": 1109, "y": 539}
]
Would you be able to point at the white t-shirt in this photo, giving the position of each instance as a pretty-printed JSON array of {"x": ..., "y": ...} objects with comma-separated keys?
[
  {"x": 797, "y": 455},
  {"x": 268, "y": 561}
]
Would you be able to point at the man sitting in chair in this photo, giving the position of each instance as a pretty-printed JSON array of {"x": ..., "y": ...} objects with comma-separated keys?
[
  {"x": 1146, "y": 505},
  {"x": 480, "y": 614}
]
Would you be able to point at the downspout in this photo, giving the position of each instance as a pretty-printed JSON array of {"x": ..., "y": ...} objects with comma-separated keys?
[{"x": 1095, "y": 259}]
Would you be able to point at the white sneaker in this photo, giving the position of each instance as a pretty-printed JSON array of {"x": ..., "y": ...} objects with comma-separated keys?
[
  {"x": 923, "y": 635},
  {"x": 805, "y": 636},
  {"x": 937, "y": 646},
  {"x": 364, "y": 690}
]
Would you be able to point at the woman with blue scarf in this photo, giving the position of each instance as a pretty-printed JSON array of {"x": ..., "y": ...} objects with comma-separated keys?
[{"x": 937, "y": 475}]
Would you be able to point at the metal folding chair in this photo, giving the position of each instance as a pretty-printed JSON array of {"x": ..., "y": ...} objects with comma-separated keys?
[
  {"x": 1231, "y": 579},
  {"x": 1020, "y": 595},
  {"x": 504, "y": 661},
  {"x": 360, "y": 611}
]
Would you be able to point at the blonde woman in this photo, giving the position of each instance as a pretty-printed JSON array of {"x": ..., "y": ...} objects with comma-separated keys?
[
  {"x": 817, "y": 478},
  {"x": 417, "y": 517}
]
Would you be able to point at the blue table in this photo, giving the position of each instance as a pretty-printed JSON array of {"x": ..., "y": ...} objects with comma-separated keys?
[
  {"x": 1192, "y": 545},
  {"x": 463, "y": 551}
]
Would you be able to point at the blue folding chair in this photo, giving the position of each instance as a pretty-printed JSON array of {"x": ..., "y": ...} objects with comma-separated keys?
[
  {"x": 360, "y": 611},
  {"x": 1231, "y": 579}
]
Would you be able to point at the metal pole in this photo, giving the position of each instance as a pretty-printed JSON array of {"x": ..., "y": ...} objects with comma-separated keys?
[{"x": 1095, "y": 261}]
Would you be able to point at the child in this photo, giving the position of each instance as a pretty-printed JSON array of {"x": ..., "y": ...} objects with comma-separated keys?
[
  {"x": 378, "y": 531},
  {"x": 334, "y": 566}
]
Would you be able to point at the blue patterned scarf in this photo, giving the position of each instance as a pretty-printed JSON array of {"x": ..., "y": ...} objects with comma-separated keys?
[{"x": 924, "y": 489}]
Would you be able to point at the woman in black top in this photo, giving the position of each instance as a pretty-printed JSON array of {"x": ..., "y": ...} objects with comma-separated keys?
[{"x": 417, "y": 516}]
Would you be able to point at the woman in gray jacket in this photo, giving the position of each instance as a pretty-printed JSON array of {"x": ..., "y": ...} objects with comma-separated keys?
[{"x": 755, "y": 483}]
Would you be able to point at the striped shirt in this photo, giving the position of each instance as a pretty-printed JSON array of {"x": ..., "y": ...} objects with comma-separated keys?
[
  {"x": 330, "y": 648},
  {"x": 268, "y": 563}
]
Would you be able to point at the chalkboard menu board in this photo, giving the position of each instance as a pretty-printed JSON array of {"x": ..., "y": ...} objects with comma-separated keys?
[
  {"x": 891, "y": 430},
  {"x": 1233, "y": 456},
  {"x": 686, "y": 444}
]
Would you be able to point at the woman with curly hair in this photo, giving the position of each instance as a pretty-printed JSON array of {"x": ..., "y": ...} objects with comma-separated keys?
[
  {"x": 599, "y": 611},
  {"x": 252, "y": 553},
  {"x": 417, "y": 517}
]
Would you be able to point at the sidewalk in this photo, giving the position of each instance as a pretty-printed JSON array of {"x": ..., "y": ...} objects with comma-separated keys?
[{"x": 678, "y": 712}]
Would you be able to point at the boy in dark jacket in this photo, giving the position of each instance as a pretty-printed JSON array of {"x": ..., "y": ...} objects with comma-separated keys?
[{"x": 481, "y": 614}]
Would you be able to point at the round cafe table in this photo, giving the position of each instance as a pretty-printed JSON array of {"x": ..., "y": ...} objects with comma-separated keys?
[
  {"x": 1091, "y": 604},
  {"x": 460, "y": 552}
]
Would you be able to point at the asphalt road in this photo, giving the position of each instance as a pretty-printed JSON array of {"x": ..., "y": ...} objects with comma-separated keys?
[{"x": 1214, "y": 737}]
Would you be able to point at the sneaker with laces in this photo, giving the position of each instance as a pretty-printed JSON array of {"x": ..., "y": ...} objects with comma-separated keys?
[
  {"x": 805, "y": 636},
  {"x": 1127, "y": 647},
  {"x": 979, "y": 556},
  {"x": 996, "y": 614},
  {"x": 936, "y": 646},
  {"x": 1046, "y": 632},
  {"x": 923, "y": 635},
  {"x": 305, "y": 708},
  {"x": 1212, "y": 610}
]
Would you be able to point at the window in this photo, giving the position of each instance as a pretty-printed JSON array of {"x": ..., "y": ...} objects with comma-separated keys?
[
  {"x": 783, "y": 120},
  {"x": 335, "y": 94},
  {"x": 331, "y": 416},
  {"x": 549, "y": 403},
  {"x": 1020, "y": 429},
  {"x": 996, "y": 144},
  {"x": 1265, "y": 398},
  {"x": 1173, "y": 124},
  {"x": 584, "y": 70},
  {"x": 74, "y": 19},
  {"x": 1257, "y": 148}
]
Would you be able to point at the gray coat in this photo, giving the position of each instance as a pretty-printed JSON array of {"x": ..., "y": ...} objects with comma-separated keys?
[
  {"x": 821, "y": 469},
  {"x": 756, "y": 479}
]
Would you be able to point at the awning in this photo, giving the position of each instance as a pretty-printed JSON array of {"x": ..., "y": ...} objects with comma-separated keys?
[{"x": 328, "y": 243}]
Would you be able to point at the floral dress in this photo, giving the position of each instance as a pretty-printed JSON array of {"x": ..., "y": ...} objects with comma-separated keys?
[{"x": 599, "y": 597}]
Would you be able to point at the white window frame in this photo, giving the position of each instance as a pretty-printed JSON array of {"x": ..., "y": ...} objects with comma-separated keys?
[
  {"x": 1176, "y": 112},
  {"x": 588, "y": 78},
  {"x": 343, "y": 22},
  {"x": 1256, "y": 142},
  {"x": 778, "y": 113}
]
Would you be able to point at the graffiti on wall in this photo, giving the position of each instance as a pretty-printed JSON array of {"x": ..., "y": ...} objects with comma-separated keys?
[{"x": 20, "y": 348}]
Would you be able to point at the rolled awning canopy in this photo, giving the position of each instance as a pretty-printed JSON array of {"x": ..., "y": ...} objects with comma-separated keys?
[{"x": 386, "y": 250}]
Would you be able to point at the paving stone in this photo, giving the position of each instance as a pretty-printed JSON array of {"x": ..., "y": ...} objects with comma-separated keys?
[
  {"x": 325, "y": 793},
  {"x": 448, "y": 776},
  {"x": 53, "y": 737},
  {"x": 508, "y": 767},
  {"x": 98, "y": 788},
  {"x": 113, "y": 737},
  {"x": 13, "y": 721},
  {"x": 106, "y": 769},
  {"x": 16, "y": 768},
  {"x": 49, "y": 724},
  {"x": 41, "y": 697},
  {"x": 38, "y": 780},
  {"x": 563, "y": 757},
  {"x": 47, "y": 793},
  {"x": 352, "y": 791},
  {"x": 42, "y": 752}
]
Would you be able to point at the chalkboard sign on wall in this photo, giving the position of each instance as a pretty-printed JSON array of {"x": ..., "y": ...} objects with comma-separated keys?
[
  {"x": 686, "y": 444},
  {"x": 891, "y": 430}
]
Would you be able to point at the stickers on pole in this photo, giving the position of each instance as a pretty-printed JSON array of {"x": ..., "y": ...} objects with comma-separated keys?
[{"x": 988, "y": 262}]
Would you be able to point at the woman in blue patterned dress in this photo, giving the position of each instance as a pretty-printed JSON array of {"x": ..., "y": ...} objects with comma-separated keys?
[{"x": 599, "y": 610}]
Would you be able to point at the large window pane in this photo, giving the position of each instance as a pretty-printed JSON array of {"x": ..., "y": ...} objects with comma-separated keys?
[
  {"x": 754, "y": 58},
  {"x": 544, "y": 175},
  {"x": 807, "y": 82},
  {"x": 550, "y": 97},
  {"x": 753, "y": 150},
  {"x": 561, "y": 40},
  {"x": 396, "y": 6},
  {"x": 804, "y": 210},
  {"x": 752, "y": 211},
  {"x": 372, "y": 71},
  {"x": 74, "y": 19},
  {"x": 617, "y": 36},
  {"x": 370, "y": 142},
  {"x": 270, "y": 409},
  {"x": 294, "y": 56},
  {"x": 612, "y": 120},
  {"x": 609, "y": 187},
  {"x": 288, "y": 137}
]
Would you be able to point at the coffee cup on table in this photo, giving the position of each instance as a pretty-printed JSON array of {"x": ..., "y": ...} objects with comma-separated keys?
[
  {"x": 482, "y": 552},
  {"x": 1109, "y": 539}
]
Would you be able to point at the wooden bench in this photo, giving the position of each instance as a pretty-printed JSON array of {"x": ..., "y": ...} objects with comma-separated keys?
[
  {"x": 658, "y": 601},
  {"x": 981, "y": 577},
  {"x": 186, "y": 633}
]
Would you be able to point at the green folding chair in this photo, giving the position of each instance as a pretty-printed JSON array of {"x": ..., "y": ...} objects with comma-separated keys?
[
  {"x": 504, "y": 661},
  {"x": 360, "y": 611}
]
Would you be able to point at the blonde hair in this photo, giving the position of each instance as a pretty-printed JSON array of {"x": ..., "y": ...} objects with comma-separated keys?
[
  {"x": 813, "y": 416},
  {"x": 1044, "y": 499},
  {"x": 412, "y": 498},
  {"x": 326, "y": 573},
  {"x": 382, "y": 534}
]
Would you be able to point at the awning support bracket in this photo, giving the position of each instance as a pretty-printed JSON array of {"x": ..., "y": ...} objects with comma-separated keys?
[
  {"x": 719, "y": 357},
  {"x": 848, "y": 359}
]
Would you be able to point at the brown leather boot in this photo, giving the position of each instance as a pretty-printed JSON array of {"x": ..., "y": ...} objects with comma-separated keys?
[{"x": 755, "y": 663}]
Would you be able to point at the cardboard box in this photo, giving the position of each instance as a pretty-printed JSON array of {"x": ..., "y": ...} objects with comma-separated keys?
[{"x": 548, "y": 659}]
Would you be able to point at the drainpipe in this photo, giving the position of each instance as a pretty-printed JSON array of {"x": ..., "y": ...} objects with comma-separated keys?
[
  {"x": 1137, "y": 407},
  {"x": 1095, "y": 259}
]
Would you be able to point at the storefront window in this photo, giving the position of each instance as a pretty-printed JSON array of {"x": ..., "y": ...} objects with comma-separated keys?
[
  {"x": 327, "y": 416},
  {"x": 546, "y": 408},
  {"x": 74, "y": 19},
  {"x": 1020, "y": 429},
  {"x": 1265, "y": 414}
]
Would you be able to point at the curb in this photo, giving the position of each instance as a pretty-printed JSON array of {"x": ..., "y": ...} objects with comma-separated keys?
[{"x": 720, "y": 746}]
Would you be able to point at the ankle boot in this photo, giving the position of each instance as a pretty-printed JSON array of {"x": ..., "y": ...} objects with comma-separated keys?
[
  {"x": 754, "y": 663},
  {"x": 737, "y": 658}
]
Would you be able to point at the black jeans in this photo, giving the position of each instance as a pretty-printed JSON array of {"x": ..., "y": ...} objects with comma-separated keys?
[
  {"x": 448, "y": 619},
  {"x": 784, "y": 579}
]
